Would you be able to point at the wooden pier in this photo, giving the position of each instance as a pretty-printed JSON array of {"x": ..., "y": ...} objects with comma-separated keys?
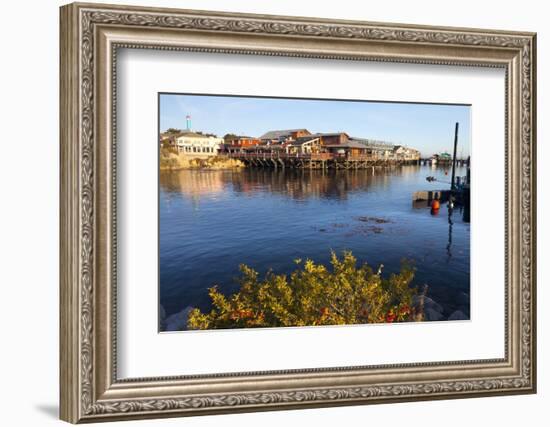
[
  {"x": 314, "y": 161},
  {"x": 444, "y": 163}
]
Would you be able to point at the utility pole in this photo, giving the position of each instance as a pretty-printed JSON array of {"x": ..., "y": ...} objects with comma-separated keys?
[{"x": 454, "y": 158}]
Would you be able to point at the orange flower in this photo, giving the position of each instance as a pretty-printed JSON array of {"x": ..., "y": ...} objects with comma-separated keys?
[{"x": 405, "y": 310}]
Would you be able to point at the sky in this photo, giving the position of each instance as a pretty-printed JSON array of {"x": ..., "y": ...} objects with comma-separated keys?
[{"x": 426, "y": 127}]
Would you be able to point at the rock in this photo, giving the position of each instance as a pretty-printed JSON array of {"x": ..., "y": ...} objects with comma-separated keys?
[
  {"x": 428, "y": 303},
  {"x": 458, "y": 315},
  {"x": 432, "y": 310},
  {"x": 178, "y": 321},
  {"x": 432, "y": 315}
]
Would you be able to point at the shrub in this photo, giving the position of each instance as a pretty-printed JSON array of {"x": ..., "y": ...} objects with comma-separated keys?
[
  {"x": 169, "y": 163},
  {"x": 167, "y": 148},
  {"x": 313, "y": 295}
]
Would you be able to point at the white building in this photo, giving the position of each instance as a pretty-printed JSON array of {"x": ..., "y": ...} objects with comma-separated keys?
[
  {"x": 198, "y": 145},
  {"x": 405, "y": 153}
]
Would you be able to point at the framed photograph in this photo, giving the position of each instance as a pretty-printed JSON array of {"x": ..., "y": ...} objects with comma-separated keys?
[{"x": 267, "y": 212}]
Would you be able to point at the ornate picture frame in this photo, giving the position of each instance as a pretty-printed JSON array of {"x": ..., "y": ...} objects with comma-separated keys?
[{"x": 90, "y": 37}]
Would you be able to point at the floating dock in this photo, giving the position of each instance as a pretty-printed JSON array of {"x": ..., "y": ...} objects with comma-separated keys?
[{"x": 429, "y": 195}]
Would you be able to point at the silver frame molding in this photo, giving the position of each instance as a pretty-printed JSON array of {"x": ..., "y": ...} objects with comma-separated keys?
[{"x": 90, "y": 37}]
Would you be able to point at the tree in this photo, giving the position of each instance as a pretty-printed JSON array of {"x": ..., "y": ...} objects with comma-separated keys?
[
  {"x": 173, "y": 130},
  {"x": 206, "y": 133},
  {"x": 230, "y": 136},
  {"x": 167, "y": 145},
  {"x": 313, "y": 295}
]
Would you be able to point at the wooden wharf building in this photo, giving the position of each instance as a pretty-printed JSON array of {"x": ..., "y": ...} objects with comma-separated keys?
[{"x": 298, "y": 148}]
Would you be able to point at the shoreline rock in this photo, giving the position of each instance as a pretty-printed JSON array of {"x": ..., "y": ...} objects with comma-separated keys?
[
  {"x": 458, "y": 315},
  {"x": 433, "y": 311},
  {"x": 177, "y": 321},
  {"x": 175, "y": 162}
]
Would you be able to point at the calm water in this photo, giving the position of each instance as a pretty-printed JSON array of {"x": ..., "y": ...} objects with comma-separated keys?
[{"x": 211, "y": 221}]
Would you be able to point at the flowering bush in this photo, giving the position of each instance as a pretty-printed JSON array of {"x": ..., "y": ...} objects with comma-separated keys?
[{"x": 313, "y": 295}]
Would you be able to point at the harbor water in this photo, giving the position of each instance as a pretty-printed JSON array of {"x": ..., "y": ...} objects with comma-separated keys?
[{"x": 211, "y": 221}]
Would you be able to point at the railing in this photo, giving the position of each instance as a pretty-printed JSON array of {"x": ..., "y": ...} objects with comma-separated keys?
[
  {"x": 274, "y": 155},
  {"x": 363, "y": 157},
  {"x": 322, "y": 156},
  {"x": 283, "y": 155}
]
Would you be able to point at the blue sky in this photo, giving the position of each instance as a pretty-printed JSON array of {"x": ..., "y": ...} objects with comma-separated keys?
[{"x": 427, "y": 127}]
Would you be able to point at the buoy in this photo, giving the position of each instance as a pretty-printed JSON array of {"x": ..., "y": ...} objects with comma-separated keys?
[{"x": 435, "y": 204}]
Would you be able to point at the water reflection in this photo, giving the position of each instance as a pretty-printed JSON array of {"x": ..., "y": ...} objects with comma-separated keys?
[
  {"x": 450, "y": 239},
  {"x": 298, "y": 184},
  {"x": 192, "y": 184}
]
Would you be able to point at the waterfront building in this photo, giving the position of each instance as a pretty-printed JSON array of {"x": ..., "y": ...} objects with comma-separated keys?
[
  {"x": 442, "y": 158},
  {"x": 197, "y": 144},
  {"x": 265, "y": 148},
  {"x": 349, "y": 149},
  {"x": 332, "y": 138},
  {"x": 304, "y": 145},
  {"x": 240, "y": 144},
  {"x": 405, "y": 153},
  {"x": 376, "y": 149},
  {"x": 301, "y": 141},
  {"x": 283, "y": 136},
  {"x": 291, "y": 142}
]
